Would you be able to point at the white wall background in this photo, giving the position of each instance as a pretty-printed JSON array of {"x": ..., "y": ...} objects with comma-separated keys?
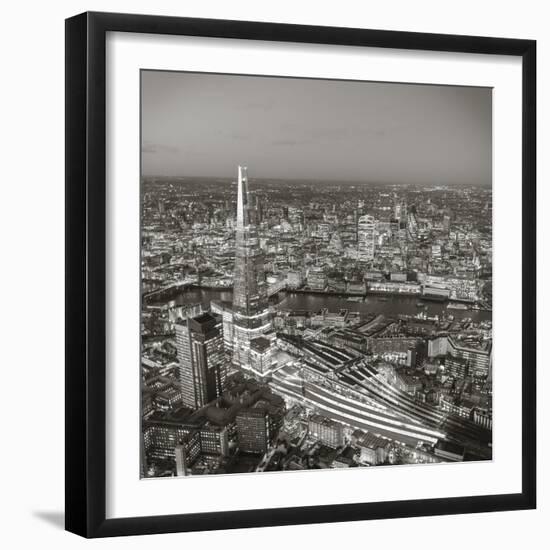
[{"x": 32, "y": 268}]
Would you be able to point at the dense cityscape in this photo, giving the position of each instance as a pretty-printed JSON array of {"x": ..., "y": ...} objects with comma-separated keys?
[{"x": 292, "y": 325}]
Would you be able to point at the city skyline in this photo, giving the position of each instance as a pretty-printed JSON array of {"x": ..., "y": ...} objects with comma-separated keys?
[
  {"x": 351, "y": 131},
  {"x": 252, "y": 387},
  {"x": 259, "y": 181}
]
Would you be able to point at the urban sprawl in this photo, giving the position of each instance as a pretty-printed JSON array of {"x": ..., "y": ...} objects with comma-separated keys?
[{"x": 291, "y": 325}]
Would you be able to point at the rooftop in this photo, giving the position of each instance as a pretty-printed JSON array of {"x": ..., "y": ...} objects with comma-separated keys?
[
  {"x": 260, "y": 344},
  {"x": 323, "y": 420}
]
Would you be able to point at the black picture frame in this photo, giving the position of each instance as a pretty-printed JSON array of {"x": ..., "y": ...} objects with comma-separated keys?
[{"x": 86, "y": 285}]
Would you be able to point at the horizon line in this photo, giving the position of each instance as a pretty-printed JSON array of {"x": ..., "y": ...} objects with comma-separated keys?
[{"x": 317, "y": 180}]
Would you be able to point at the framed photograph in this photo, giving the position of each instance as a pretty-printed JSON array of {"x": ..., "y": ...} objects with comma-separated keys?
[{"x": 300, "y": 274}]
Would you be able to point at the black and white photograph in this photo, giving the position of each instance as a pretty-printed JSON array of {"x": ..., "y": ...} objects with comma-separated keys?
[{"x": 316, "y": 274}]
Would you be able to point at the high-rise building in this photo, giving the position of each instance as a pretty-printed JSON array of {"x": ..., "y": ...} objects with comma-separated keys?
[
  {"x": 365, "y": 237},
  {"x": 251, "y": 316},
  {"x": 258, "y": 424},
  {"x": 202, "y": 370}
]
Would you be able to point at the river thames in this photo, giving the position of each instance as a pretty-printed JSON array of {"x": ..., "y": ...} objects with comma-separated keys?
[{"x": 386, "y": 305}]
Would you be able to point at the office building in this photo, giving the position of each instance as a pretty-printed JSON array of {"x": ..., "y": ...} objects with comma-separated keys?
[
  {"x": 200, "y": 352},
  {"x": 186, "y": 452},
  {"x": 253, "y": 430},
  {"x": 259, "y": 423},
  {"x": 214, "y": 439},
  {"x": 476, "y": 352}
]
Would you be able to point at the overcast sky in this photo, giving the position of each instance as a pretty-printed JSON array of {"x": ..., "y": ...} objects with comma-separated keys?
[{"x": 197, "y": 124}]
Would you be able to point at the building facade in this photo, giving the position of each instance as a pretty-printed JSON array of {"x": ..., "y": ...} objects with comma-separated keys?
[
  {"x": 261, "y": 355},
  {"x": 365, "y": 236},
  {"x": 200, "y": 352},
  {"x": 478, "y": 355},
  {"x": 253, "y": 430},
  {"x": 326, "y": 430}
]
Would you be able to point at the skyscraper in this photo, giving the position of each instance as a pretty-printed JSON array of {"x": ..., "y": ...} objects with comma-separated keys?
[
  {"x": 250, "y": 303},
  {"x": 365, "y": 238},
  {"x": 199, "y": 343}
]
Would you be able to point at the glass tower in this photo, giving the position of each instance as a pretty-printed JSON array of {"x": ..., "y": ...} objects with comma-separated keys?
[{"x": 251, "y": 317}]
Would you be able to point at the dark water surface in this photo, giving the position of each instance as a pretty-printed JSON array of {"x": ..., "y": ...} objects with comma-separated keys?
[{"x": 391, "y": 305}]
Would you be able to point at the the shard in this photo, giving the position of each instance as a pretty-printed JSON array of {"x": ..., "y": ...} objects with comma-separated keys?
[{"x": 251, "y": 317}]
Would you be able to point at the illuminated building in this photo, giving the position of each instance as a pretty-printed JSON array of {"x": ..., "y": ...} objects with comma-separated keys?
[
  {"x": 326, "y": 430},
  {"x": 250, "y": 303},
  {"x": 324, "y": 230},
  {"x": 163, "y": 431},
  {"x": 316, "y": 278},
  {"x": 296, "y": 217},
  {"x": 253, "y": 430},
  {"x": 457, "y": 367},
  {"x": 226, "y": 313},
  {"x": 478, "y": 354},
  {"x": 259, "y": 424},
  {"x": 365, "y": 234},
  {"x": 199, "y": 343},
  {"x": 214, "y": 439},
  {"x": 373, "y": 449},
  {"x": 261, "y": 355},
  {"x": 295, "y": 279},
  {"x": 187, "y": 451}
]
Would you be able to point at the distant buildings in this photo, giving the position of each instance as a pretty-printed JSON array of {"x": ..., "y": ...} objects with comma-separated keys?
[
  {"x": 294, "y": 279},
  {"x": 296, "y": 217},
  {"x": 365, "y": 234}
]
